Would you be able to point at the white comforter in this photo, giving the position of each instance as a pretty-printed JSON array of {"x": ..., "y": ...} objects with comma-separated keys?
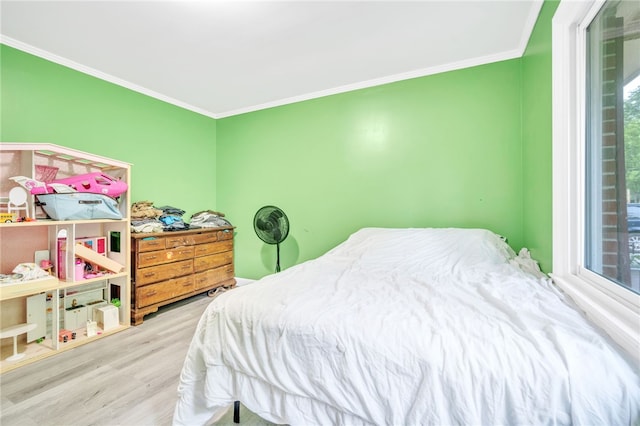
[{"x": 406, "y": 327}]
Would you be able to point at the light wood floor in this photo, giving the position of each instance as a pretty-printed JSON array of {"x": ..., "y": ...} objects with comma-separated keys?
[{"x": 128, "y": 379}]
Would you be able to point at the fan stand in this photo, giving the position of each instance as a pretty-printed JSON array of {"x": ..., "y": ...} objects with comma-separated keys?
[{"x": 272, "y": 227}]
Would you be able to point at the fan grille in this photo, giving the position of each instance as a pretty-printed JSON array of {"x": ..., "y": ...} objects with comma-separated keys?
[{"x": 271, "y": 224}]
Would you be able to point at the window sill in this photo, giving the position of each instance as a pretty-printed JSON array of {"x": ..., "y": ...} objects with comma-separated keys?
[{"x": 621, "y": 321}]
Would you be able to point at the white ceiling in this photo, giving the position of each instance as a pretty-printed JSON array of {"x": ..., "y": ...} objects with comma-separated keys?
[{"x": 222, "y": 58}]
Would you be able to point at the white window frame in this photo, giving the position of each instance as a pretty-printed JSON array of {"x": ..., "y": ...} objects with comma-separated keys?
[{"x": 615, "y": 309}]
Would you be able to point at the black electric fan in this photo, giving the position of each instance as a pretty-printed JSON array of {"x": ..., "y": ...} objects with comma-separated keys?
[{"x": 272, "y": 227}]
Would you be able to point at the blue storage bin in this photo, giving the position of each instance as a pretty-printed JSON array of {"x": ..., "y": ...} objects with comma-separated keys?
[{"x": 79, "y": 206}]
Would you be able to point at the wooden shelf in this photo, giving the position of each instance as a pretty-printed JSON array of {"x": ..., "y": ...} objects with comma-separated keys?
[
  {"x": 50, "y": 222},
  {"x": 26, "y": 288},
  {"x": 37, "y": 351},
  {"x": 43, "y": 301}
]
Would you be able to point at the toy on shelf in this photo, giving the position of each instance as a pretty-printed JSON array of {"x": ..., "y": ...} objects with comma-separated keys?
[
  {"x": 91, "y": 256},
  {"x": 47, "y": 266},
  {"x": 92, "y": 328},
  {"x": 18, "y": 201},
  {"x": 14, "y": 204},
  {"x": 66, "y": 335},
  {"x": 14, "y": 331},
  {"x": 8, "y": 217},
  {"x": 28, "y": 271},
  {"x": 38, "y": 187},
  {"x": 97, "y": 183}
]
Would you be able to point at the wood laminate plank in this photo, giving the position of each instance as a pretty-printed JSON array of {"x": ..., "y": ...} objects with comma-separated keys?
[{"x": 128, "y": 378}]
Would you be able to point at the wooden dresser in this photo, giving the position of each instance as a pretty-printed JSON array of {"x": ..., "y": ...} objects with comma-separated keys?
[{"x": 170, "y": 266}]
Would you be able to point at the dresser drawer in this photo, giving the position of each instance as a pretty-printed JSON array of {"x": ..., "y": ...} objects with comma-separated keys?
[
  {"x": 225, "y": 235},
  {"x": 179, "y": 241},
  {"x": 151, "y": 244},
  {"x": 211, "y": 248},
  {"x": 208, "y": 237},
  {"x": 154, "y": 274},
  {"x": 164, "y": 256},
  {"x": 212, "y": 261},
  {"x": 212, "y": 277},
  {"x": 159, "y": 292}
]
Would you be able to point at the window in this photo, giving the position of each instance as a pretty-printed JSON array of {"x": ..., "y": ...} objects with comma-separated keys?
[
  {"x": 596, "y": 162},
  {"x": 612, "y": 138}
]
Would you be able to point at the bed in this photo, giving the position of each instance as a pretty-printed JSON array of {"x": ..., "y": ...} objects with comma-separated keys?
[{"x": 428, "y": 326}]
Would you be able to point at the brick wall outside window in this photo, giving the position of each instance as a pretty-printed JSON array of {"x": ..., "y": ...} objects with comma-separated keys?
[{"x": 615, "y": 245}]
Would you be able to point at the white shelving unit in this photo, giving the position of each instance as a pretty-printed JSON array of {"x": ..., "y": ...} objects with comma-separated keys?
[{"x": 69, "y": 301}]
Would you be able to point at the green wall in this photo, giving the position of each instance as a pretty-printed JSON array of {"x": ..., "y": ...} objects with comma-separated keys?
[
  {"x": 468, "y": 148},
  {"x": 442, "y": 151},
  {"x": 537, "y": 139},
  {"x": 173, "y": 151}
]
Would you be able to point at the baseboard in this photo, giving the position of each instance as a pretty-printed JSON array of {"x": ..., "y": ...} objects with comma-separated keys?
[{"x": 243, "y": 281}]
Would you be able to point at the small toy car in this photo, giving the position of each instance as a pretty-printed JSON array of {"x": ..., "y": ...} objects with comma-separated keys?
[
  {"x": 97, "y": 183},
  {"x": 66, "y": 335},
  {"x": 7, "y": 217}
]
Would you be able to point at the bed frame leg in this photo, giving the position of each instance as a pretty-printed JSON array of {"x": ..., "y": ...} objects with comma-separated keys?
[{"x": 236, "y": 412}]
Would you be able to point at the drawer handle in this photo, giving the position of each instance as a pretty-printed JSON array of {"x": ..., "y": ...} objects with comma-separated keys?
[
  {"x": 152, "y": 257},
  {"x": 149, "y": 274},
  {"x": 151, "y": 293},
  {"x": 186, "y": 284}
]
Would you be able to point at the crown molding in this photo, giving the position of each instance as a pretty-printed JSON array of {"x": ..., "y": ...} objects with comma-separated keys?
[
  {"x": 467, "y": 63},
  {"x": 529, "y": 25},
  {"x": 98, "y": 74}
]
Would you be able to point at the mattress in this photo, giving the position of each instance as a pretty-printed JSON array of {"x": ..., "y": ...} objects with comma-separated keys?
[{"x": 406, "y": 326}]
